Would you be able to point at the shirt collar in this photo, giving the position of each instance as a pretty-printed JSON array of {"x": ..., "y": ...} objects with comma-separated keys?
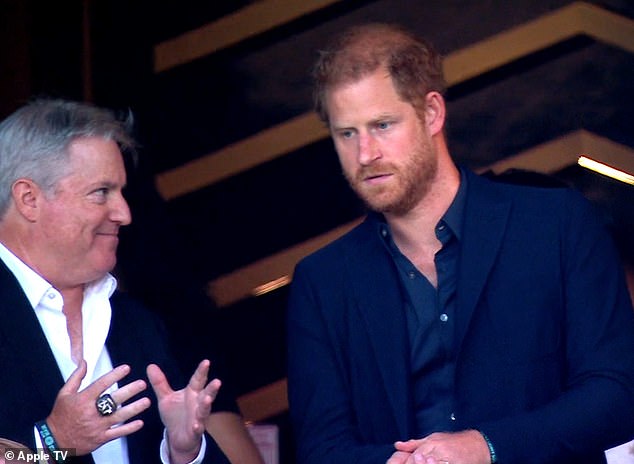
[
  {"x": 454, "y": 214},
  {"x": 36, "y": 287},
  {"x": 453, "y": 217}
]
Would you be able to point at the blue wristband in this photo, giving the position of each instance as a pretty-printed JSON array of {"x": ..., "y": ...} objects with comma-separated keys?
[
  {"x": 48, "y": 440},
  {"x": 494, "y": 457}
]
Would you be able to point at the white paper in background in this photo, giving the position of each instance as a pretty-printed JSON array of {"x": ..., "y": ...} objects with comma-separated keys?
[
  {"x": 623, "y": 454},
  {"x": 266, "y": 438}
]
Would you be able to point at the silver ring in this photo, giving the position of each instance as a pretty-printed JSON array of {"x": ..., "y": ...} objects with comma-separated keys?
[{"x": 105, "y": 405}]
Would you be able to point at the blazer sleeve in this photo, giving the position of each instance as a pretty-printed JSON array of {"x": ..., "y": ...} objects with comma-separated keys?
[
  {"x": 595, "y": 409},
  {"x": 319, "y": 393}
]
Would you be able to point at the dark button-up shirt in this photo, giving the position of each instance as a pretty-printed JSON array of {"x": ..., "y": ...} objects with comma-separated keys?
[{"x": 430, "y": 315}]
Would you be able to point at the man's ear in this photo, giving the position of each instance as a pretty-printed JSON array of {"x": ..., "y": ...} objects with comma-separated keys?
[
  {"x": 434, "y": 112},
  {"x": 26, "y": 196}
]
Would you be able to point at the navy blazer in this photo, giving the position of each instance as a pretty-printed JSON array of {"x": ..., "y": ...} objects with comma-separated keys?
[
  {"x": 544, "y": 326},
  {"x": 31, "y": 378}
]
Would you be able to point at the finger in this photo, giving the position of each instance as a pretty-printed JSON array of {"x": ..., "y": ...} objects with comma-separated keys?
[
  {"x": 208, "y": 395},
  {"x": 212, "y": 388},
  {"x": 398, "y": 458},
  {"x": 107, "y": 380},
  {"x": 75, "y": 379},
  {"x": 418, "y": 458},
  {"x": 407, "y": 446},
  {"x": 126, "y": 392},
  {"x": 127, "y": 412},
  {"x": 199, "y": 379},
  {"x": 123, "y": 430},
  {"x": 205, "y": 400},
  {"x": 411, "y": 460},
  {"x": 159, "y": 382}
]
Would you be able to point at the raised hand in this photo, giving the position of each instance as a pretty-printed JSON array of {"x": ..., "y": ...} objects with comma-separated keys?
[
  {"x": 184, "y": 412},
  {"x": 74, "y": 420}
]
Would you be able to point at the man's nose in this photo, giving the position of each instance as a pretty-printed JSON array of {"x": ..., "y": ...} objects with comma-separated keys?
[
  {"x": 368, "y": 149},
  {"x": 121, "y": 211}
]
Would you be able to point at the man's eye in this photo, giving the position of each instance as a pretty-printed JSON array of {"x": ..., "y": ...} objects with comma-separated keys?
[
  {"x": 101, "y": 193},
  {"x": 384, "y": 125},
  {"x": 346, "y": 134}
]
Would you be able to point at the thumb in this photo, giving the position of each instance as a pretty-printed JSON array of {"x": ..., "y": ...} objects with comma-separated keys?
[
  {"x": 407, "y": 446},
  {"x": 159, "y": 382}
]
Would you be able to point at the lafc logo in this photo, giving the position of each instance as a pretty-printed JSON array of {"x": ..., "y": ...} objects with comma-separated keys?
[{"x": 105, "y": 406}]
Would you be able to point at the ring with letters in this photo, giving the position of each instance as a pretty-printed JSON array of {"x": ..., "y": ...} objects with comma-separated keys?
[{"x": 106, "y": 405}]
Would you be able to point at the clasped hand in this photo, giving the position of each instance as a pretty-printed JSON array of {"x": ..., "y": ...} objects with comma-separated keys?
[
  {"x": 466, "y": 447},
  {"x": 76, "y": 423}
]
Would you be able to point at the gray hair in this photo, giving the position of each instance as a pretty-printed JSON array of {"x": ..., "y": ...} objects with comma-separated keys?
[{"x": 34, "y": 141}]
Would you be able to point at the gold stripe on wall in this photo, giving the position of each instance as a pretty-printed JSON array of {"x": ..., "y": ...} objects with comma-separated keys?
[
  {"x": 242, "y": 283},
  {"x": 579, "y": 18},
  {"x": 247, "y": 22},
  {"x": 241, "y": 156},
  {"x": 562, "y": 152},
  {"x": 496, "y": 51}
]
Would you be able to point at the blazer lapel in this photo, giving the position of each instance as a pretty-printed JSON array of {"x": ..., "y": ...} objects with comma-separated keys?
[
  {"x": 380, "y": 305},
  {"x": 484, "y": 225},
  {"x": 28, "y": 343}
]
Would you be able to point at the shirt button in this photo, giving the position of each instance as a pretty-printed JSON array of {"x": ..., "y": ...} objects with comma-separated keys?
[
  {"x": 441, "y": 227},
  {"x": 444, "y": 317},
  {"x": 452, "y": 417},
  {"x": 411, "y": 274},
  {"x": 51, "y": 295},
  {"x": 384, "y": 232}
]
